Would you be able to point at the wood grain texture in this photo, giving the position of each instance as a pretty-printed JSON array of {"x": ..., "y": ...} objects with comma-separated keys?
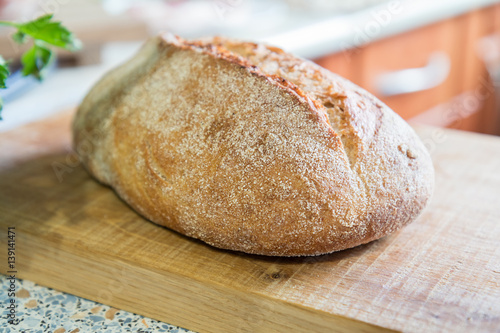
[{"x": 441, "y": 273}]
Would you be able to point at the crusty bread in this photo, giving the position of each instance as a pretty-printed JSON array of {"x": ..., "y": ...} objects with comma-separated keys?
[{"x": 248, "y": 148}]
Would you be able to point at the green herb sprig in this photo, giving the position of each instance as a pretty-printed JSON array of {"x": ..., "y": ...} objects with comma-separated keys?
[{"x": 45, "y": 33}]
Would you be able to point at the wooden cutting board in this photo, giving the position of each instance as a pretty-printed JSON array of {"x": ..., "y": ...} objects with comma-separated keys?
[{"x": 441, "y": 273}]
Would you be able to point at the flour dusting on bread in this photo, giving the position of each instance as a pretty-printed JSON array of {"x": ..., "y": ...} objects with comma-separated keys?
[{"x": 249, "y": 148}]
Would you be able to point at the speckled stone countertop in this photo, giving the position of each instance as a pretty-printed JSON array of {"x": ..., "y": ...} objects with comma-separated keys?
[{"x": 40, "y": 309}]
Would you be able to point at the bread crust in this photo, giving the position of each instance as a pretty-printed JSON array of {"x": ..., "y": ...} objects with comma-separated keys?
[{"x": 248, "y": 148}]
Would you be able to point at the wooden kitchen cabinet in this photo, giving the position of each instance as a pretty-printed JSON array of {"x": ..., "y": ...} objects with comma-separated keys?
[{"x": 448, "y": 82}]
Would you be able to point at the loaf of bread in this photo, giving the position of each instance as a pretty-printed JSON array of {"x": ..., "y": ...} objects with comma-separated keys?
[{"x": 249, "y": 148}]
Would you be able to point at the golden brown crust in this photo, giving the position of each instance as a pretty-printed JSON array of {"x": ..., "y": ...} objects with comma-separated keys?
[{"x": 251, "y": 149}]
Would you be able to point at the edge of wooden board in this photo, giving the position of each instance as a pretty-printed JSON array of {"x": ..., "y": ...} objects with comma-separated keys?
[{"x": 189, "y": 303}]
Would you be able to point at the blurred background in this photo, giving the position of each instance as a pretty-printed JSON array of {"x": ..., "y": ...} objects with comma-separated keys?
[{"x": 433, "y": 62}]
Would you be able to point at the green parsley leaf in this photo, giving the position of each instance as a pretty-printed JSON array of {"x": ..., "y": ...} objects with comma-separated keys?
[
  {"x": 50, "y": 32},
  {"x": 4, "y": 72},
  {"x": 19, "y": 37},
  {"x": 37, "y": 60}
]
